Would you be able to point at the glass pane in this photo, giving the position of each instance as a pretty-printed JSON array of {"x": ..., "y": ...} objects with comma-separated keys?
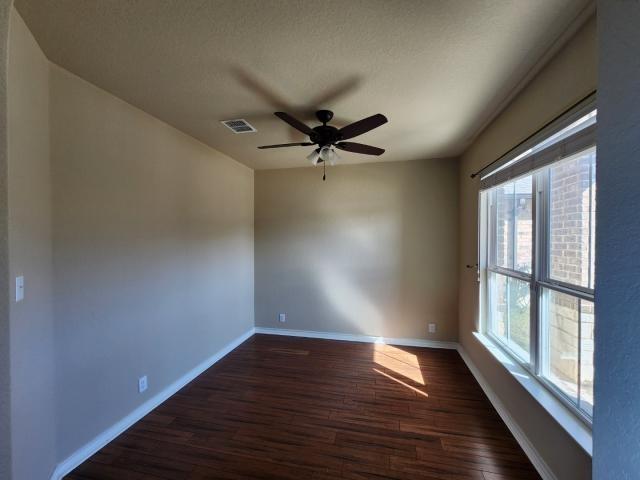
[
  {"x": 523, "y": 224},
  {"x": 587, "y": 323},
  {"x": 592, "y": 231},
  {"x": 514, "y": 225},
  {"x": 510, "y": 313},
  {"x": 560, "y": 316},
  {"x": 572, "y": 219},
  {"x": 498, "y": 307},
  {"x": 519, "y": 311},
  {"x": 504, "y": 225}
]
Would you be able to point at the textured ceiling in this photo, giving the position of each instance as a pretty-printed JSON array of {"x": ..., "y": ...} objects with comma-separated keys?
[{"x": 437, "y": 69}]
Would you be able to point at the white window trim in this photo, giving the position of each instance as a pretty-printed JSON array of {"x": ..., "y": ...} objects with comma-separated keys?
[
  {"x": 538, "y": 279},
  {"x": 575, "y": 422},
  {"x": 566, "y": 417}
]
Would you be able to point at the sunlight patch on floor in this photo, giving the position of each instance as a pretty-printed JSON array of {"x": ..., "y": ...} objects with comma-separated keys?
[
  {"x": 418, "y": 391},
  {"x": 398, "y": 361}
]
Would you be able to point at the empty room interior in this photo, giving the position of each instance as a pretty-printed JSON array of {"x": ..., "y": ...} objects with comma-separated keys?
[{"x": 295, "y": 239}]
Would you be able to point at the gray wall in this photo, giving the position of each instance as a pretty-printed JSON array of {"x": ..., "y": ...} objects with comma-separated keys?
[
  {"x": 5, "y": 382},
  {"x": 373, "y": 250},
  {"x": 617, "y": 382},
  {"x": 32, "y": 371},
  {"x": 568, "y": 77}
]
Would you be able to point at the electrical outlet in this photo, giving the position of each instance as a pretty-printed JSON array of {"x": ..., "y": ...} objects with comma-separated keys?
[
  {"x": 142, "y": 384},
  {"x": 19, "y": 288},
  {"x": 432, "y": 328},
  {"x": 282, "y": 317}
]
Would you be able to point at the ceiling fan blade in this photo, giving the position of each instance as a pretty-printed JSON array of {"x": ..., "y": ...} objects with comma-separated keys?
[
  {"x": 297, "y": 124},
  {"x": 363, "y": 126},
  {"x": 303, "y": 144},
  {"x": 359, "y": 148}
]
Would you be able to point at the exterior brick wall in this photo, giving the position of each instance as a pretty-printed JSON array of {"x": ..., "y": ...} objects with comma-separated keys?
[
  {"x": 571, "y": 247},
  {"x": 571, "y": 196}
]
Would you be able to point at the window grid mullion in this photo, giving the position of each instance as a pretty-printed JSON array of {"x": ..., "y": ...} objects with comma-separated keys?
[
  {"x": 568, "y": 290},
  {"x": 514, "y": 243},
  {"x": 533, "y": 290},
  {"x": 540, "y": 255},
  {"x": 514, "y": 227},
  {"x": 579, "y": 386},
  {"x": 591, "y": 252}
]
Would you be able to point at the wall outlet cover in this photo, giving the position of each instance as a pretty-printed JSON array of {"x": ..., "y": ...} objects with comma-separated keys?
[
  {"x": 282, "y": 317},
  {"x": 432, "y": 328},
  {"x": 19, "y": 288},
  {"x": 142, "y": 384}
]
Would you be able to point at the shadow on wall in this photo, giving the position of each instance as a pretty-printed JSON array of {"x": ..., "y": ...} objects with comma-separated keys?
[
  {"x": 349, "y": 300},
  {"x": 152, "y": 255},
  {"x": 370, "y": 251}
]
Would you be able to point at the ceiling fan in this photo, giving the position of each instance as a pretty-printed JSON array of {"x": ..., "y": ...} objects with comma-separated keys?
[{"x": 327, "y": 137}]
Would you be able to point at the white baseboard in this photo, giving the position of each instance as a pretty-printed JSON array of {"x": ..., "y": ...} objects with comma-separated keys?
[
  {"x": 522, "y": 439},
  {"x": 83, "y": 453},
  {"x": 349, "y": 337}
]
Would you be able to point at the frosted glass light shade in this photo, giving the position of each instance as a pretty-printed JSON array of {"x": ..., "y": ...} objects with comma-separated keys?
[
  {"x": 328, "y": 154},
  {"x": 314, "y": 157}
]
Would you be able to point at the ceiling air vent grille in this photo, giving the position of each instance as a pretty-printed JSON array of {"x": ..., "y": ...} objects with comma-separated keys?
[{"x": 239, "y": 126}]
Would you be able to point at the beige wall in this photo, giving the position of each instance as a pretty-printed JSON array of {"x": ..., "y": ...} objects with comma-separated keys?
[
  {"x": 568, "y": 77},
  {"x": 151, "y": 251},
  {"x": 136, "y": 243},
  {"x": 32, "y": 371},
  {"x": 152, "y": 255},
  {"x": 370, "y": 251}
]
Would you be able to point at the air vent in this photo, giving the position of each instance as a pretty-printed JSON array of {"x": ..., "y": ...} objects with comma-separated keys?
[{"x": 239, "y": 126}]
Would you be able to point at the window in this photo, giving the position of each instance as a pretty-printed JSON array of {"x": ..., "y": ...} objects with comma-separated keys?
[{"x": 537, "y": 260}]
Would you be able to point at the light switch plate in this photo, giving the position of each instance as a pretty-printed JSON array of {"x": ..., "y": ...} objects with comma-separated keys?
[{"x": 19, "y": 288}]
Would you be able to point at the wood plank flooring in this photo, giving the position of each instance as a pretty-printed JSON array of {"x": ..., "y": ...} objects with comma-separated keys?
[{"x": 295, "y": 408}]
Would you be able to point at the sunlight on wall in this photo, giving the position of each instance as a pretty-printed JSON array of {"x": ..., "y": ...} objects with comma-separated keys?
[
  {"x": 366, "y": 235},
  {"x": 349, "y": 300},
  {"x": 398, "y": 361}
]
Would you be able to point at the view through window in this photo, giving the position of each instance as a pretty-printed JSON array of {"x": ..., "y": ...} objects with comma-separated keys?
[{"x": 540, "y": 274}]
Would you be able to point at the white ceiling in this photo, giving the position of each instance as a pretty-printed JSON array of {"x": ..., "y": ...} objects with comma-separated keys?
[{"x": 439, "y": 70}]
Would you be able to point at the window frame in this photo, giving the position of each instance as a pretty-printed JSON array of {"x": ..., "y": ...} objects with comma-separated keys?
[
  {"x": 493, "y": 267},
  {"x": 539, "y": 280}
]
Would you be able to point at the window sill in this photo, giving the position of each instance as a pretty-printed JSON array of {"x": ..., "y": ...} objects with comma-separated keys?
[{"x": 569, "y": 421}]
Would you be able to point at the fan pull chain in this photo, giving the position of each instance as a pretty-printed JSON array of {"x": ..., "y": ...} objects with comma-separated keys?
[{"x": 324, "y": 171}]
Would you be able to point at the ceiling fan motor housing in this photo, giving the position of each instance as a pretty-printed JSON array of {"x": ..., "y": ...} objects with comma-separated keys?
[
  {"x": 325, "y": 135},
  {"x": 324, "y": 116}
]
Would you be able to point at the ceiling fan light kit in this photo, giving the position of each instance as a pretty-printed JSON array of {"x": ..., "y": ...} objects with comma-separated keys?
[
  {"x": 324, "y": 154},
  {"x": 328, "y": 137}
]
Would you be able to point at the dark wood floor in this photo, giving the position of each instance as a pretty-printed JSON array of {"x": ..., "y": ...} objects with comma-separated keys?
[{"x": 293, "y": 408}]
